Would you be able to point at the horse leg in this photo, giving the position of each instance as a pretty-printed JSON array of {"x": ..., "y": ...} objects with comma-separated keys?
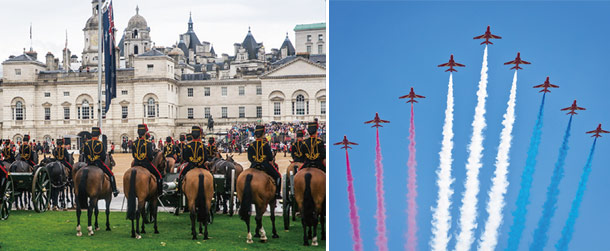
[
  {"x": 249, "y": 236},
  {"x": 225, "y": 203},
  {"x": 305, "y": 239},
  {"x": 193, "y": 220},
  {"x": 155, "y": 210},
  {"x": 133, "y": 230},
  {"x": 259, "y": 225},
  {"x": 108, "y": 214},
  {"x": 90, "y": 209},
  {"x": 274, "y": 231},
  {"x": 314, "y": 241},
  {"x": 142, "y": 209},
  {"x": 78, "y": 212},
  {"x": 322, "y": 226},
  {"x": 205, "y": 233},
  {"x": 97, "y": 212},
  {"x": 29, "y": 200},
  {"x": 138, "y": 236}
]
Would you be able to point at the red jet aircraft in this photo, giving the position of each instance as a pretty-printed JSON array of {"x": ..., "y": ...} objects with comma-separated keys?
[
  {"x": 546, "y": 86},
  {"x": 573, "y": 108},
  {"x": 598, "y": 131},
  {"x": 412, "y": 96},
  {"x": 451, "y": 64},
  {"x": 487, "y": 36},
  {"x": 377, "y": 120},
  {"x": 345, "y": 143},
  {"x": 517, "y": 62}
]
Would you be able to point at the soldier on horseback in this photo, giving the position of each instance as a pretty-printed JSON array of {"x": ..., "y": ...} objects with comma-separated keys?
[
  {"x": 169, "y": 150},
  {"x": 261, "y": 157},
  {"x": 142, "y": 151},
  {"x": 211, "y": 149},
  {"x": 295, "y": 149},
  {"x": 7, "y": 152},
  {"x": 25, "y": 151},
  {"x": 95, "y": 155},
  {"x": 61, "y": 153},
  {"x": 194, "y": 153},
  {"x": 314, "y": 149}
]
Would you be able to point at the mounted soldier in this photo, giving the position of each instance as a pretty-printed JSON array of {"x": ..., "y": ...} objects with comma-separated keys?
[
  {"x": 181, "y": 146},
  {"x": 142, "y": 151},
  {"x": 61, "y": 154},
  {"x": 211, "y": 149},
  {"x": 295, "y": 151},
  {"x": 194, "y": 153},
  {"x": 314, "y": 149},
  {"x": 26, "y": 152},
  {"x": 169, "y": 150},
  {"x": 95, "y": 155},
  {"x": 7, "y": 152},
  {"x": 261, "y": 157}
]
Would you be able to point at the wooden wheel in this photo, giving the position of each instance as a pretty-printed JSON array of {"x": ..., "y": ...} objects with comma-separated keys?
[
  {"x": 41, "y": 190},
  {"x": 7, "y": 198}
]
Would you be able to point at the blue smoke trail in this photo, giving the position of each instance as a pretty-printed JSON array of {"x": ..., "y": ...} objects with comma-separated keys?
[
  {"x": 548, "y": 209},
  {"x": 516, "y": 230},
  {"x": 568, "y": 229}
]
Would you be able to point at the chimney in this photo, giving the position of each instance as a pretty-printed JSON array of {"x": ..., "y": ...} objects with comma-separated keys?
[{"x": 50, "y": 59}]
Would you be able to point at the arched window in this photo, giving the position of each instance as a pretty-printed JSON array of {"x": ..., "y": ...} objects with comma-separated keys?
[
  {"x": 135, "y": 50},
  {"x": 19, "y": 114},
  {"x": 300, "y": 105},
  {"x": 85, "y": 110},
  {"x": 135, "y": 33},
  {"x": 151, "y": 107}
]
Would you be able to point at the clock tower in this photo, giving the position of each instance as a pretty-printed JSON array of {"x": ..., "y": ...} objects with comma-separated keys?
[{"x": 89, "y": 58}]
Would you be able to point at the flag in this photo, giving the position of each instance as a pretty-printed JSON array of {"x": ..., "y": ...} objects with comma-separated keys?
[{"x": 109, "y": 55}]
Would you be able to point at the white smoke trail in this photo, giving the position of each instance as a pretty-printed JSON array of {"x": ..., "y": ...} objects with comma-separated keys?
[
  {"x": 441, "y": 218},
  {"x": 489, "y": 238},
  {"x": 468, "y": 211}
]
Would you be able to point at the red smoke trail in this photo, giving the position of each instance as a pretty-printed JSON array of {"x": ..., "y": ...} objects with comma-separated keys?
[
  {"x": 411, "y": 190},
  {"x": 353, "y": 210},
  {"x": 382, "y": 240}
]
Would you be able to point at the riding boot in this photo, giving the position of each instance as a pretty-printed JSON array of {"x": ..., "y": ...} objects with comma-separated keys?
[
  {"x": 115, "y": 192},
  {"x": 278, "y": 186},
  {"x": 159, "y": 187}
]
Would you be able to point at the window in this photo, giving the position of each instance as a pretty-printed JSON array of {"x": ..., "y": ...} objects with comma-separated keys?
[
  {"x": 224, "y": 91},
  {"x": 135, "y": 50},
  {"x": 123, "y": 92},
  {"x": 66, "y": 94},
  {"x": 47, "y": 113},
  {"x": 124, "y": 112},
  {"x": 320, "y": 37},
  {"x": 66, "y": 113},
  {"x": 259, "y": 90},
  {"x": 190, "y": 113},
  {"x": 206, "y": 112},
  {"x": 135, "y": 34},
  {"x": 308, "y": 38},
  {"x": 292, "y": 107},
  {"x": 19, "y": 111},
  {"x": 242, "y": 112},
  {"x": 47, "y": 94},
  {"x": 151, "y": 107},
  {"x": 277, "y": 109},
  {"x": 189, "y": 92},
  {"x": 103, "y": 92},
  {"x": 320, "y": 49},
  {"x": 300, "y": 105},
  {"x": 307, "y": 106},
  {"x": 224, "y": 112},
  {"x": 206, "y": 91},
  {"x": 309, "y": 49},
  {"x": 322, "y": 107},
  {"x": 85, "y": 110},
  {"x": 242, "y": 90},
  {"x": 150, "y": 67},
  {"x": 259, "y": 111},
  {"x": 18, "y": 72}
]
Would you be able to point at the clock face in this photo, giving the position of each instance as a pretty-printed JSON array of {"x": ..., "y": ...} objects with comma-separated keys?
[{"x": 94, "y": 40}]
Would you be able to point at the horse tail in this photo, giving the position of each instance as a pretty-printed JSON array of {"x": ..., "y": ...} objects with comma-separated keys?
[
  {"x": 308, "y": 203},
  {"x": 131, "y": 197},
  {"x": 82, "y": 188},
  {"x": 200, "y": 201},
  {"x": 246, "y": 200}
]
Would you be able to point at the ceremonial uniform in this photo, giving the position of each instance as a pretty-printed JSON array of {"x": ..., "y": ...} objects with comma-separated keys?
[
  {"x": 180, "y": 148},
  {"x": 261, "y": 157},
  {"x": 61, "y": 154},
  {"x": 169, "y": 150},
  {"x": 142, "y": 151},
  {"x": 94, "y": 153},
  {"x": 8, "y": 153},
  {"x": 295, "y": 148},
  {"x": 314, "y": 149},
  {"x": 211, "y": 149},
  {"x": 194, "y": 154},
  {"x": 25, "y": 151}
]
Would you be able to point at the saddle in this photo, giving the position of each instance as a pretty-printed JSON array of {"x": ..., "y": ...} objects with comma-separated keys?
[{"x": 259, "y": 167}]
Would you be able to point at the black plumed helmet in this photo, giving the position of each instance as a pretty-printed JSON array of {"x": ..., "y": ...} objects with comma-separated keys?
[{"x": 142, "y": 129}]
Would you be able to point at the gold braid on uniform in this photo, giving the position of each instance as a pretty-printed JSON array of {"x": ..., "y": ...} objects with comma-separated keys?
[
  {"x": 96, "y": 155},
  {"x": 196, "y": 157},
  {"x": 259, "y": 156},
  {"x": 141, "y": 155},
  {"x": 24, "y": 154},
  {"x": 298, "y": 152},
  {"x": 312, "y": 149},
  {"x": 168, "y": 149},
  {"x": 60, "y": 153}
]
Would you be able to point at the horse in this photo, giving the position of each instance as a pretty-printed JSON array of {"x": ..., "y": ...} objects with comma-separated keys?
[
  {"x": 170, "y": 163},
  {"x": 224, "y": 167},
  {"x": 256, "y": 187},
  {"x": 59, "y": 176},
  {"x": 310, "y": 194},
  {"x": 91, "y": 184},
  {"x": 198, "y": 186},
  {"x": 140, "y": 185},
  {"x": 20, "y": 166}
]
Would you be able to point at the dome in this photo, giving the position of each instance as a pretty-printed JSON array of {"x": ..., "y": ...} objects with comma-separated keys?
[
  {"x": 176, "y": 51},
  {"x": 137, "y": 21},
  {"x": 91, "y": 22}
]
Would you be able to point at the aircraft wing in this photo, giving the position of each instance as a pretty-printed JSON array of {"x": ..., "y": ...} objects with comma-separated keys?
[
  {"x": 458, "y": 64},
  {"x": 525, "y": 62},
  {"x": 352, "y": 143},
  {"x": 419, "y": 96},
  {"x": 383, "y": 121},
  {"x": 338, "y": 143},
  {"x": 564, "y": 109},
  {"x": 592, "y": 131},
  {"x": 604, "y": 131},
  {"x": 539, "y": 86},
  {"x": 405, "y": 96},
  {"x": 442, "y": 65},
  {"x": 580, "y": 108},
  {"x": 510, "y": 62},
  {"x": 496, "y": 37},
  {"x": 479, "y": 37},
  {"x": 554, "y": 86},
  {"x": 370, "y": 121}
]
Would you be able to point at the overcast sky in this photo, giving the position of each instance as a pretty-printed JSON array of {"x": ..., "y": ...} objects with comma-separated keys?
[{"x": 221, "y": 23}]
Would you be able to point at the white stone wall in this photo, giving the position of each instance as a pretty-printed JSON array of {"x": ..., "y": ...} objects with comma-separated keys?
[{"x": 301, "y": 42}]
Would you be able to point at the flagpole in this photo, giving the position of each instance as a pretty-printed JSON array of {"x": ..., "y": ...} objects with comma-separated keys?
[{"x": 100, "y": 43}]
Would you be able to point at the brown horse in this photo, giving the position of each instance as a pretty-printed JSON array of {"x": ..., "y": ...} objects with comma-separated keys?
[
  {"x": 170, "y": 164},
  {"x": 256, "y": 187},
  {"x": 310, "y": 194},
  {"x": 141, "y": 185},
  {"x": 198, "y": 186},
  {"x": 93, "y": 185},
  {"x": 225, "y": 168}
]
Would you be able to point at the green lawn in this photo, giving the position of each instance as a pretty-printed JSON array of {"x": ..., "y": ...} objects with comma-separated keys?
[{"x": 26, "y": 230}]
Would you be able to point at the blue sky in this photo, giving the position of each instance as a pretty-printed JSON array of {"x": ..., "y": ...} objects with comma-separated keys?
[{"x": 379, "y": 50}]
